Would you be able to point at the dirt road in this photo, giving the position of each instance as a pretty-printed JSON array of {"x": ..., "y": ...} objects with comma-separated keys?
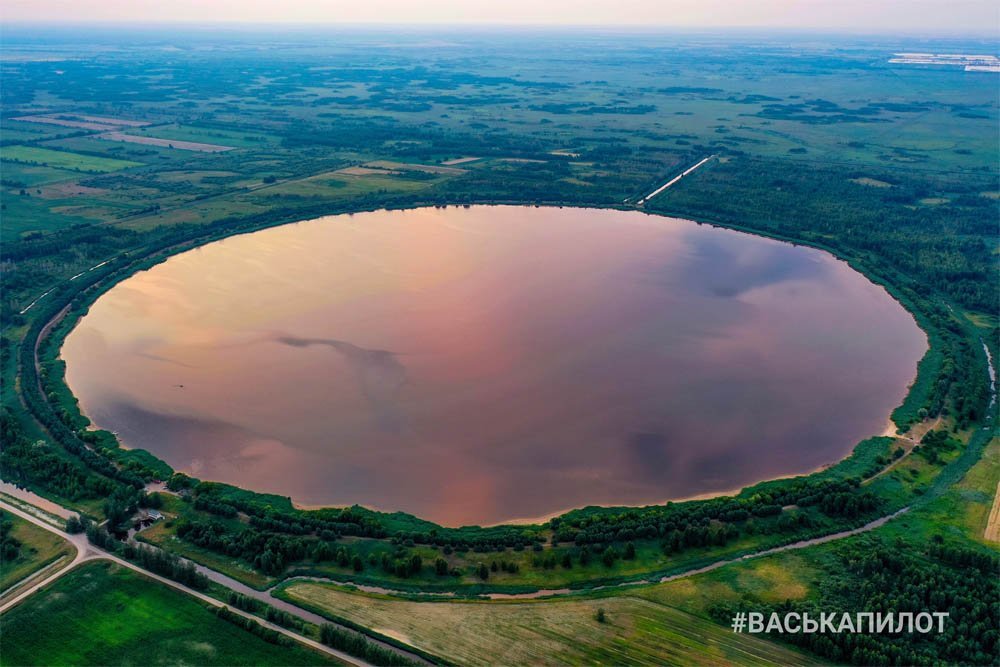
[
  {"x": 992, "y": 532},
  {"x": 672, "y": 181}
]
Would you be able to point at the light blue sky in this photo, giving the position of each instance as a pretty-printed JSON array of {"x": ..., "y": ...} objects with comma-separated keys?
[{"x": 884, "y": 16}]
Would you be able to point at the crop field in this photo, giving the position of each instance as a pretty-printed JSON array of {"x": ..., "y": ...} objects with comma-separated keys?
[
  {"x": 39, "y": 548},
  {"x": 20, "y": 175},
  {"x": 102, "y": 614},
  {"x": 81, "y": 121},
  {"x": 122, "y": 137},
  {"x": 15, "y": 131},
  {"x": 92, "y": 144},
  {"x": 635, "y": 631},
  {"x": 207, "y": 135},
  {"x": 63, "y": 160}
]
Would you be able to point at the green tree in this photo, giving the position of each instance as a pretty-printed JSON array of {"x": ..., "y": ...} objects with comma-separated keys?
[
  {"x": 74, "y": 525},
  {"x": 609, "y": 556}
]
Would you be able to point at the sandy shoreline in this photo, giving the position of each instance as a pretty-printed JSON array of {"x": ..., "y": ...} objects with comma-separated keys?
[{"x": 544, "y": 518}]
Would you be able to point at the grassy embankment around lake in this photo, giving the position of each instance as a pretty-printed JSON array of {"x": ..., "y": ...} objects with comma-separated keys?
[{"x": 647, "y": 560}]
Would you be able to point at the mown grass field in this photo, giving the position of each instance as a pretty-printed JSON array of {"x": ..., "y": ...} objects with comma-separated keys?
[
  {"x": 636, "y": 631},
  {"x": 770, "y": 579},
  {"x": 64, "y": 160},
  {"x": 102, "y": 614},
  {"x": 962, "y": 511},
  {"x": 25, "y": 131},
  {"x": 39, "y": 548}
]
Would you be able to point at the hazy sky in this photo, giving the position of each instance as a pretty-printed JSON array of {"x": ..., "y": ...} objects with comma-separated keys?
[{"x": 863, "y": 15}]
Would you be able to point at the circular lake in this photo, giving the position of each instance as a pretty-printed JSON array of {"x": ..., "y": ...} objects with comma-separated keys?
[{"x": 484, "y": 364}]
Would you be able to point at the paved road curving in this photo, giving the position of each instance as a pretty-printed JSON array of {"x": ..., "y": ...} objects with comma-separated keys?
[{"x": 87, "y": 552}]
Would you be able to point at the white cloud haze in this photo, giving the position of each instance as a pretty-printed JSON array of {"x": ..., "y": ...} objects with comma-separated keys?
[{"x": 855, "y": 15}]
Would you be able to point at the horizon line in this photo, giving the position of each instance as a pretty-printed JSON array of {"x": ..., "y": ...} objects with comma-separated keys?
[{"x": 631, "y": 27}]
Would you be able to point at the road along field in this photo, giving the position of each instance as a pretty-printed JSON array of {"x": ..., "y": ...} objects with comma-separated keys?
[
  {"x": 64, "y": 160},
  {"x": 40, "y": 551},
  {"x": 992, "y": 532},
  {"x": 101, "y": 613},
  {"x": 165, "y": 143}
]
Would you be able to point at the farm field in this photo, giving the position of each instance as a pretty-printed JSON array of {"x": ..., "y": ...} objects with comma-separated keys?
[
  {"x": 102, "y": 614},
  {"x": 207, "y": 135},
  {"x": 21, "y": 175},
  {"x": 15, "y": 131},
  {"x": 163, "y": 143},
  {"x": 39, "y": 549},
  {"x": 679, "y": 606},
  {"x": 635, "y": 631},
  {"x": 63, "y": 160}
]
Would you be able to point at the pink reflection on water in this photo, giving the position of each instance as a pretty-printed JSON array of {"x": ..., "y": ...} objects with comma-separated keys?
[{"x": 476, "y": 365}]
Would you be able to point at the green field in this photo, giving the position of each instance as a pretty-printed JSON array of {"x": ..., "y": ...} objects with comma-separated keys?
[
  {"x": 102, "y": 614},
  {"x": 63, "y": 160},
  {"x": 21, "y": 175},
  {"x": 19, "y": 131},
  {"x": 39, "y": 548},
  {"x": 636, "y": 631}
]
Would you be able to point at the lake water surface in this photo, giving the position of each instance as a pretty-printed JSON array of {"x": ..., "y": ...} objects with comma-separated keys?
[{"x": 476, "y": 365}]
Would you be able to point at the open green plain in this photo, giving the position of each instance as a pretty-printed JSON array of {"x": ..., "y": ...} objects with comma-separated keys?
[
  {"x": 38, "y": 549},
  {"x": 103, "y": 614}
]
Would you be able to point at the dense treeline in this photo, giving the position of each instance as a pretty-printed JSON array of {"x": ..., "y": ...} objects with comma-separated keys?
[
  {"x": 834, "y": 498},
  {"x": 267, "y": 552},
  {"x": 39, "y": 465},
  {"x": 875, "y": 576},
  {"x": 271, "y": 541},
  {"x": 271, "y": 614},
  {"x": 164, "y": 563},
  {"x": 272, "y": 553},
  {"x": 355, "y": 643},
  {"x": 39, "y": 405},
  {"x": 225, "y": 500},
  {"x": 151, "y": 558},
  {"x": 253, "y": 627}
]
